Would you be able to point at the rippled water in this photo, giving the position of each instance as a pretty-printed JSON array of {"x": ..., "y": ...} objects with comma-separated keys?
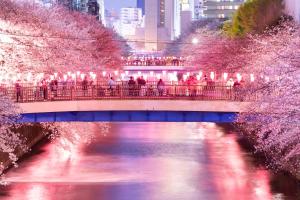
[{"x": 148, "y": 161}]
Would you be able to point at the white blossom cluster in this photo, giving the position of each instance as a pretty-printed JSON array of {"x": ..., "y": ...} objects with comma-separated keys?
[{"x": 40, "y": 39}]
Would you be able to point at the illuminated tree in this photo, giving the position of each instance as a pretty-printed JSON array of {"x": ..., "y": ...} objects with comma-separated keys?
[{"x": 37, "y": 38}]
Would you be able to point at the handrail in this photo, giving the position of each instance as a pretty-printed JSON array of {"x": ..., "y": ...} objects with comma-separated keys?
[{"x": 118, "y": 91}]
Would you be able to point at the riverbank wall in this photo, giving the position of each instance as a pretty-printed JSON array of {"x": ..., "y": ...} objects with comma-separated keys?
[{"x": 31, "y": 134}]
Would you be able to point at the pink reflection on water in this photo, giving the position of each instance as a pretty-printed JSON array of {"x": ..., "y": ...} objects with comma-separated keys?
[{"x": 169, "y": 160}]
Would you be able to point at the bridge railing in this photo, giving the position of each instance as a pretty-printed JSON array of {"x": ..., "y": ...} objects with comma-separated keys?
[{"x": 94, "y": 92}]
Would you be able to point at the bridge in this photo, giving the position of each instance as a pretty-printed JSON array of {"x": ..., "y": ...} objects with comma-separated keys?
[
  {"x": 138, "y": 110},
  {"x": 172, "y": 103}
]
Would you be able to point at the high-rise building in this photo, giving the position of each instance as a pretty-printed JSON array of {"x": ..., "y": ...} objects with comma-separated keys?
[
  {"x": 162, "y": 23},
  {"x": 220, "y": 8},
  {"x": 130, "y": 20},
  {"x": 141, "y": 4}
]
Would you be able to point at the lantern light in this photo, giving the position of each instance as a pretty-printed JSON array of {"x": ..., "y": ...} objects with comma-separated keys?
[
  {"x": 151, "y": 73},
  {"x": 73, "y": 76},
  {"x": 252, "y": 77},
  {"x": 78, "y": 73},
  {"x": 82, "y": 76},
  {"x": 55, "y": 74},
  {"x": 164, "y": 73},
  {"x": 122, "y": 76},
  {"x": 139, "y": 73},
  {"x": 185, "y": 77},
  {"x": 104, "y": 73},
  {"x": 239, "y": 77},
  {"x": 126, "y": 72},
  {"x": 188, "y": 74},
  {"x": 225, "y": 76},
  {"x": 198, "y": 77},
  {"x": 69, "y": 73},
  {"x": 51, "y": 77},
  {"x": 212, "y": 75},
  {"x": 116, "y": 73},
  {"x": 158, "y": 76},
  {"x": 200, "y": 73},
  {"x": 65, "y": 77}
]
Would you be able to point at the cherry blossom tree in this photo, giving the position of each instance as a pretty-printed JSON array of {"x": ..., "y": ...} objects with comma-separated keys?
[
  {"x": 41, "y": 39},
  {"x": 9, "y": 139},
  {"x": 273, "y": 120}
]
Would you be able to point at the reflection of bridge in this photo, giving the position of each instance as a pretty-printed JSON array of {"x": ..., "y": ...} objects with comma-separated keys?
[{"x": 123, "y": 103}]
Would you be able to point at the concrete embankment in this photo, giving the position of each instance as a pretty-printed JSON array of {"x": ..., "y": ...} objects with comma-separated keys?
[{"x": 31, "y": 135}]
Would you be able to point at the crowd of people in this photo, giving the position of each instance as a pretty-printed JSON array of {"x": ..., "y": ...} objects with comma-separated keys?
[
  {"x": 153, "y": 61},
  {"x": 51, "y": 89}
]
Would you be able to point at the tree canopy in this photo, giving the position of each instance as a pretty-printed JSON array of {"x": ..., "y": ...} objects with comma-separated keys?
[{"x": 253, "y": 17}]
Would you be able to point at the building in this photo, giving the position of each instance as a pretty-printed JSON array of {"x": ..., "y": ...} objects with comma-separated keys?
[
  {"x": 141, "y": 4},
  {"x": 93, "y": 7},
  {"x": 162, "y": 23},
  {"x": 293, "y": 8},
  {"x": 130, "y": 20},
  {"x": 220, "y": 8}
]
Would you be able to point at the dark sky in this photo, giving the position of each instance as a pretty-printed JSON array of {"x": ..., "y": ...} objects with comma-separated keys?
[{"x": 118, "y": 4}]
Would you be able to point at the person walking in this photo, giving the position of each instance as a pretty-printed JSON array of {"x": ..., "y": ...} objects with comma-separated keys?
[{"x": 112, "y": 86}]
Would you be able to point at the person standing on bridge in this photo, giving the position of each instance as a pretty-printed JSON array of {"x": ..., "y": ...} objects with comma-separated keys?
[
  {"x": 18, "y": 90},
  {"x": 160, "y": 87},
  {"x": 131, "y": 86}
]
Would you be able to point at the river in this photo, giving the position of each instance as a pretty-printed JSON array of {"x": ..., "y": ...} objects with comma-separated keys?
[{"x": 147, "y": 161}]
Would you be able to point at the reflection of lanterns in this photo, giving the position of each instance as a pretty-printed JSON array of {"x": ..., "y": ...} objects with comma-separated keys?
[
  {"x": 212, "y": 75},
  {"x": 239, "y": 77},
  {"x": 252, "y": 77},
  {"x": 104, "y": 73},
  {"x": 225, "y": 76}
]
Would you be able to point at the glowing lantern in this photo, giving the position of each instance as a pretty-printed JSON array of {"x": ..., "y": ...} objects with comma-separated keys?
[
  {"x": 55, "y": 74},
  {"x": 267, "y": 79},
  {"x": 225, "y": 76},
  {"x": 188, "y": 74},
  {"x": 158, "y": 76},
  {"x": 65, "y": 77},
  {"x": 104, "y": 73},
  {"x": 185, "y": 77},
  {"x": 78, "y": 73},
  {"x": 252, "y": 77},
  {"x": 145, "y": 76},
  {"x": 116, "y": 73},
  {"x": 239, "y": 77},
  {"x": 73, "y": 76},
  {"x": 51, "y": 77},
  {"x": 164, "y": 73},
  {"x": 139, "y": 73},
  {"x": 200, "y": 73},
  {"x": 122, "y": 76},
  {"x": 69, "y": 73},
  {"x": 29, "y": 75},
  {"x": 19, "y": 76},
  {"x": 151, "y": 73},
  {"x": 198, "y": 77},
  {"x": 212, "y": 75},
  {"x": 126, "y": 72},
  {"x": 82, "y": 76}
]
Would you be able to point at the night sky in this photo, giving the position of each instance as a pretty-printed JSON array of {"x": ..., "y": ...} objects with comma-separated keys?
[{"x": 118, "y": 4}]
